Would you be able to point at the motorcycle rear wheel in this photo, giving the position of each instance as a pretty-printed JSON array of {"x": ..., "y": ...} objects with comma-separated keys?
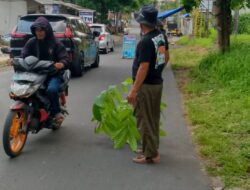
[{"x": 15, "y": 133}]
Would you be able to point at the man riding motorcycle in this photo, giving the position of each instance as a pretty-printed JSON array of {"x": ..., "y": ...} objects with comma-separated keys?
[{"x": 45, "y": 46}]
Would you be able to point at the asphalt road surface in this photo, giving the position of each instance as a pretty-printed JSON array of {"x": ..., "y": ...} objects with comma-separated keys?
[{"x": 74, "y": 158}]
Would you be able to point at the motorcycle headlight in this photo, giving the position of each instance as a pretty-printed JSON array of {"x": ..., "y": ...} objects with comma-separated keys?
[
  {"x": 19, "y": 89},
  {"x": 23, "y": 90},
  {"x": 33, "y": 89}
]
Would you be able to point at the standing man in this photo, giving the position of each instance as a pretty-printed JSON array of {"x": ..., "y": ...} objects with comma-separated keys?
[
  {"x": 45, "y": 46},
  {"x": 145, "y": 95}
]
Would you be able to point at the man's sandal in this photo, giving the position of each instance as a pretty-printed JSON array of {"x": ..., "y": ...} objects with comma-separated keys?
[{"x": 143, "y": 160}]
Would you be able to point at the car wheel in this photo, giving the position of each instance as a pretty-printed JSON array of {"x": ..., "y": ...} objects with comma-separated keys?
[
  {"x": 97, "y": 61},
  {"x": 77, "y": 67}
]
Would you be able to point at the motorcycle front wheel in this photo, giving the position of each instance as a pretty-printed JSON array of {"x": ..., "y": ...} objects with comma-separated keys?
[{"x": 15, "y": 133}]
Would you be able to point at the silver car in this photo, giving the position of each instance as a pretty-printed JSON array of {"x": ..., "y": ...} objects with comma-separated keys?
[{"x": 106, "y": 39}]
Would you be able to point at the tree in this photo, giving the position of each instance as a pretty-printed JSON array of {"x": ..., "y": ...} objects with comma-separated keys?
[
  {"x": 104, "y": 6},
  {"x": 222, "y": 9},
  {"x": 169, "y": 5}
]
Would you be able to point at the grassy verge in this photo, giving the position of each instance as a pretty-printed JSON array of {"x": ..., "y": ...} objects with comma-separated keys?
[{"x": 217, "y": 100}]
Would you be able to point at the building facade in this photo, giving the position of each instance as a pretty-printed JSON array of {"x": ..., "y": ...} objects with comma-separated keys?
[{"x": 11, "y": 10}]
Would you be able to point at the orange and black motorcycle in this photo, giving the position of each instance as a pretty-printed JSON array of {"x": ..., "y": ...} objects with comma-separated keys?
[{"x": 30, "y": 110}]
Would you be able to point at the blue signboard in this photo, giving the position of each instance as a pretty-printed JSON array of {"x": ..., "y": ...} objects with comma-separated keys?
[{"x": 129, "y": 46}]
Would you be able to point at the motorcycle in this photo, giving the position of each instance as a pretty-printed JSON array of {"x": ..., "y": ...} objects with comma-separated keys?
[{"x": 30, "y": 110}]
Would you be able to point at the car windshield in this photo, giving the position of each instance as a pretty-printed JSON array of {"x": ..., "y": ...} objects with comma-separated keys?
[
  {"x": 58, "y": 24},
  {"x": 97, "y": 29}
]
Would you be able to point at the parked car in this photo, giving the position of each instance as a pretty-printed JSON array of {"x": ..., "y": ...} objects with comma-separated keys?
[
  {"x": 106, "y": 39},
  {"x": 70, "y": 30}
]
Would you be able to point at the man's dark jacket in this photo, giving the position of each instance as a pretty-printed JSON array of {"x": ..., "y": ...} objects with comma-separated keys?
[{"x": 48, "y": 49}]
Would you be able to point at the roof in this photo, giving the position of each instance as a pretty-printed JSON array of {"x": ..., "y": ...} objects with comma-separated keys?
[
  {"x": 70, "y": 5},
  {"x": 50, "y": 15},
  {"x": 47, "y": 2},
  {"x": 168, "y": 13},
  {"x": 96, "y": 24}
]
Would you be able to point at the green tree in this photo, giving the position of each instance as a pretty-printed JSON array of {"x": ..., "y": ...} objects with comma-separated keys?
[
  {"x": 104, "y": 6},
  {"x": 169, "y": 5},
  {"x": 222, "y": 10}
]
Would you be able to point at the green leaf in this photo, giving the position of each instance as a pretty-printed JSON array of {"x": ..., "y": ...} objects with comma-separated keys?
[
  {"x": 100, "y": 100},
  {"x": 105, "y": 128},
  {"x": 120, "y": 138},
  {"x": 125, "y": 85},
  {"x": 98, "y": 130},
  {"x": 123, "y": 114},
  {"x": 129, "y": 81},
  {"x": 134, "y": 130},
  {"x": 162, "y": 133},
  {"x": 96, "y": 110},
  {"x": 132, "y": 143},
  {"x": 114, "y": 93},
  {"x": 163, "y": 106}
]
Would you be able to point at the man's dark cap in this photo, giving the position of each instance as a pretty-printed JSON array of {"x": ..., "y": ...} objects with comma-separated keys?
[{"x": 147, "y": 15}]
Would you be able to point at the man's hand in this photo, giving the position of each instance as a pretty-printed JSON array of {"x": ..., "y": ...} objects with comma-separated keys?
[
  {"x": 132, "y": 97},
  {"x": 59, "y": 66}
]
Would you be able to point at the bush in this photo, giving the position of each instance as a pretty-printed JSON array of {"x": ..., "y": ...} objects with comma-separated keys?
[{"x": 244, "y": 24}]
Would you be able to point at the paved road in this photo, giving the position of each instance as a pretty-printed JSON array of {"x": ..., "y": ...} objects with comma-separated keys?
[{"x": 74, "y": 158}]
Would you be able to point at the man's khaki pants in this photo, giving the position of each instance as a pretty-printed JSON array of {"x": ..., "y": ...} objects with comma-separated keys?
[{"x": 147, "y": 113}]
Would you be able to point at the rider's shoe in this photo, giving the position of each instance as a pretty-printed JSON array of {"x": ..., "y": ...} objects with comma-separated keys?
[{"x": 59, "y": 118}]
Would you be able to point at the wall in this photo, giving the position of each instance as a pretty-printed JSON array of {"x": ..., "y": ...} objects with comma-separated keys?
[
  {"x": 33, "y": 7},
  {"x": 245, "y": 11},
  {"x": 9, "y": 12}
]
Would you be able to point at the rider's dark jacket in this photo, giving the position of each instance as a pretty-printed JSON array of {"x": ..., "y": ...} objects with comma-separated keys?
[{"x": 48, "y": 49}]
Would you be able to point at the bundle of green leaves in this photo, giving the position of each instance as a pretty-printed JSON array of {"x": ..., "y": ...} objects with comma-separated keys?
[{"x": 115, "y": 118}]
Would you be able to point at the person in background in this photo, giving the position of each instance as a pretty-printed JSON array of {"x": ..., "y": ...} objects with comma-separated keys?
[{"x": 145, "y": 95}]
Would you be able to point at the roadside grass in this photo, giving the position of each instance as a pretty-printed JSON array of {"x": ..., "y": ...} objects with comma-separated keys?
[
  {"x": 201, "y": 42},
  {"x": 216, "y": 92},
  {"x": 187, "y": 57}
]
